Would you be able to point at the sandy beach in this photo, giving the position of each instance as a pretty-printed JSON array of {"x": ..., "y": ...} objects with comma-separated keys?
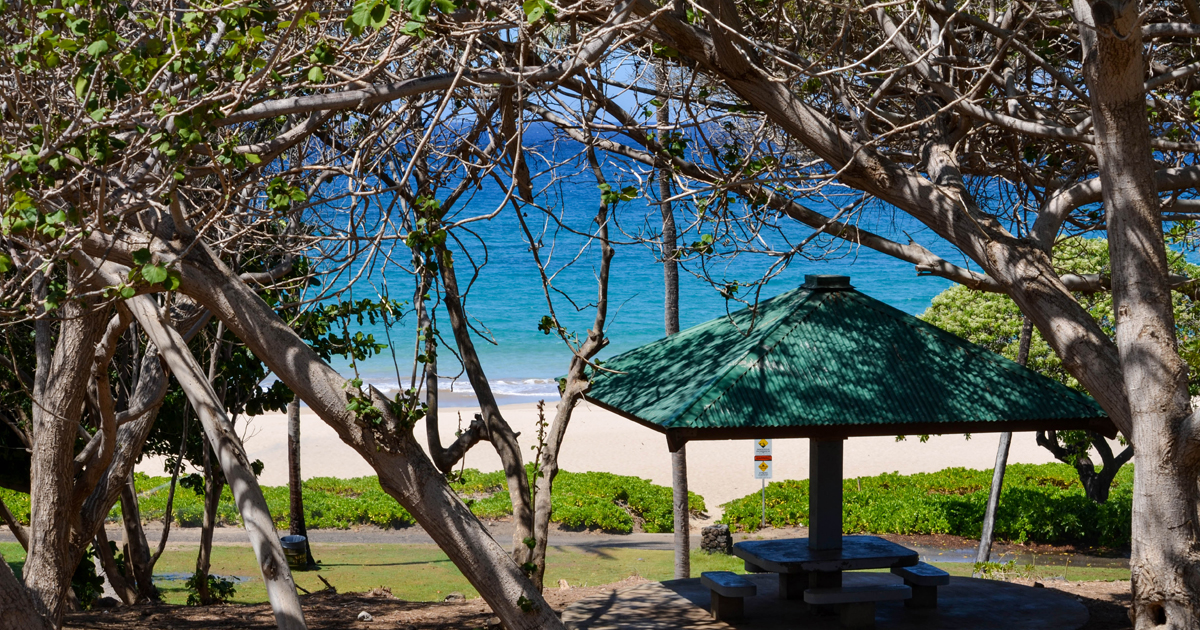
[{"x": 599, "y": 440}]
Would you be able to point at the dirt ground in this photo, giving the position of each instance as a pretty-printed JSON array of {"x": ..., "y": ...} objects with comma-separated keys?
[
  {"x": 946, "y": 541},
  {"x": 325, "y": 610},
  {"x": 1107, "y": 602}
]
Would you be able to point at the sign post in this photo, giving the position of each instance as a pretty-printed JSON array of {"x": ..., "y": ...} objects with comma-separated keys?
[{"x": 762, "y": 470}]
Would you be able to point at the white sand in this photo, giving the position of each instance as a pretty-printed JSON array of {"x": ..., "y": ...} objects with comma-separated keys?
[{"x": 598, "y": 440}]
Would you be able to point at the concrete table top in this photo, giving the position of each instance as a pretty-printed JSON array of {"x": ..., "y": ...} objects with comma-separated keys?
[{"x": 793, "y": 555}]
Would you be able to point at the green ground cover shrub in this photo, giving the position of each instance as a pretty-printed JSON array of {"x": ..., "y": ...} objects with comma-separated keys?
[
  {"x": 588, "y": 500},
  {"x": 17, "y": 502},
  {"x": 1039, "y": 503}
]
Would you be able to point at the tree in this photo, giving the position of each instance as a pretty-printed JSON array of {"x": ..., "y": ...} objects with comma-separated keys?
[
  {"x": 993, "y": 321},
  {"x": 973, "y": 103},
  {"x": 198, "y": 165}
]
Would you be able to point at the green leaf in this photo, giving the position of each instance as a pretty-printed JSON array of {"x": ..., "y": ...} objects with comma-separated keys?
[
  {"x": 81, "y": 86},
  {"x": 6, "y": 264},
  {"x": 98, "y": 47},
  {"x": 538, "y": 9},
  {"x": 418, "y": 9},
  {"x": 173, "y": 280},
  {"x": 253, "y": 158},
  {"x": 128, "y": 292},
  {"x": 367, "y": 13},
  {"x": 154, "y": 274},
  {"x": 141, "y": 256},
  {"x": 414, "y": 28},
  {"x": 316, "y": 75},
  {"x": 664, "y": 51}
]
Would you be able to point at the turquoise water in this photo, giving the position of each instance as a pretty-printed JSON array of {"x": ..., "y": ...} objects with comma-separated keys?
[{"x": 507, "y": 302}]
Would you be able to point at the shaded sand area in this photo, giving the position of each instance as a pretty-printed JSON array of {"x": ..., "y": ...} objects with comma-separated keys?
[{"x": 598, "y": 440}]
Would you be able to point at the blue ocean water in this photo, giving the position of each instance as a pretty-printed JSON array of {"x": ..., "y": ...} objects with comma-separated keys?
[{"x": 506, "y": 300}]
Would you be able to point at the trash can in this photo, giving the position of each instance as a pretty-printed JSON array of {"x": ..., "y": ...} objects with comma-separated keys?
[{"x": 294, "y": 549}]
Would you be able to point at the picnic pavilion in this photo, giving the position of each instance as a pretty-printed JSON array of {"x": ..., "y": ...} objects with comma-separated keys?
[{"x": 826, "y": 362}]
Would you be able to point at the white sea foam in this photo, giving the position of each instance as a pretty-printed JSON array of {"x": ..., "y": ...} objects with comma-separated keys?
[{"x": 459, "y": 391}]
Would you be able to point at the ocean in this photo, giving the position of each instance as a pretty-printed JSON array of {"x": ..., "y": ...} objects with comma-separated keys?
[{"x": 506, "y": 301}]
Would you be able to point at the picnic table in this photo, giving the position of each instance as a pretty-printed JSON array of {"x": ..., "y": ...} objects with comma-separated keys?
[{"x": 800, "y": 566}]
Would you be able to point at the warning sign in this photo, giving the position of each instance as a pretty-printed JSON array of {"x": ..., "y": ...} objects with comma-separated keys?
[
  {"x": 762, "y": 459},
  {"x": 762, "y": 469}
]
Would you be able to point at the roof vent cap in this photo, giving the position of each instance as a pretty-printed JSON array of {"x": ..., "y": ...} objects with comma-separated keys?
[{"x": 827, "y": 282}]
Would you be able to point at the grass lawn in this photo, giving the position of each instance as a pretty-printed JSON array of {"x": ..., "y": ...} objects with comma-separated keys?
[
  {"x": 1045, "y": 572},
  {"x": 422, "y": 572},
  {"x": 14, "y": 555}
]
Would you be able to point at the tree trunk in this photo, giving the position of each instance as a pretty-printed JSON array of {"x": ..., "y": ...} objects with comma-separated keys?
[
  {"x": 131, "y": 435},
  {"x": 59, "y": 391},
  {"x": 1165, "y": 564},
  {"x": 295, "y": 481},
  {"x": 989, "y": 517},
  {"x": 213, "y": 485},
  {"x": 281, "y": 591},
  {"x": 405, "y": 472},
  {"x": 18, "y": 610},
  {"x": 137, "y": 549},
  {"x": 112, "y": 574},
  {"x": 1096, "y": 485}
]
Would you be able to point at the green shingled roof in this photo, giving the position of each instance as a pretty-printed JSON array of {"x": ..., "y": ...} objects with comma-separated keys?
[{"x": 825, "y": 356}]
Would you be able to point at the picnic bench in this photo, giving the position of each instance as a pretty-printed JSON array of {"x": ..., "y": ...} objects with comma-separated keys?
[
  {"x": 728, "y": 593},
  {"x": 923, "y": 579}
]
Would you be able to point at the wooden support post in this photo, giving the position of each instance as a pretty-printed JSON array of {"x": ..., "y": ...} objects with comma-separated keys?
[
  {"x": 825, "y": 494},
  {"x": 679, "y": 492}
]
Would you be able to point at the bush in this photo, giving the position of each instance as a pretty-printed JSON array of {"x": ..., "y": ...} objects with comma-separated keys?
[
  {"x": 1039, "y": 503},
  {"x": 18, "y": 504},
  {"x": 87, "y": 585},
  {"x": 590, "y": 500},
  {"x": 220, "y": 590}
]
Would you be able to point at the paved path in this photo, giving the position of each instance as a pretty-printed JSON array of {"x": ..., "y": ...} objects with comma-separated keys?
[{"x": 500, "y": 530}]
